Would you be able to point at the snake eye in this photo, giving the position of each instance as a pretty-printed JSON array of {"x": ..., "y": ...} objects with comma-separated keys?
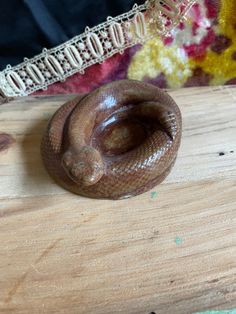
[
  {"x": 78, "y": 168},
  {"x": 77, "y": 171}
]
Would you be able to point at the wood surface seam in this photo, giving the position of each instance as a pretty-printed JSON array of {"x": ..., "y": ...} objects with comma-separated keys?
[{"x": 21, "y": 280}]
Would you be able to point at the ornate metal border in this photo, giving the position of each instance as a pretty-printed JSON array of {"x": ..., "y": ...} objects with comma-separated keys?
[{"x": 93, "y": 46}]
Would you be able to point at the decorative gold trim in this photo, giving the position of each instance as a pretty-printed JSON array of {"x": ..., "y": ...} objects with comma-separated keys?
[{"x": 95, "y": 45}]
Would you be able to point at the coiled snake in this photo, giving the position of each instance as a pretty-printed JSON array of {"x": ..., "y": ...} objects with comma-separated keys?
[{"x": 115, "y": 142}]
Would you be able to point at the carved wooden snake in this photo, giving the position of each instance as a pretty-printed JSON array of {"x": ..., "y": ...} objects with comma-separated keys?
[{"x": 115, "y": 142}]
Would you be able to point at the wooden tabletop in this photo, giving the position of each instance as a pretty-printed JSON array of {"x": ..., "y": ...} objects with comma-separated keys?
[{"x": 171, "y": 250}]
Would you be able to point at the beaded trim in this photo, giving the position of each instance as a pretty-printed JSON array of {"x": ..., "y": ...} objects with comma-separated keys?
[{"x": 93, "y": 46}]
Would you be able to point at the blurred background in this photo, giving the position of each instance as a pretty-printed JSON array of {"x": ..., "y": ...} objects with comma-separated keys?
[
  {"x": 27, "y": 26},
  {"x": 201, "y": 51}
]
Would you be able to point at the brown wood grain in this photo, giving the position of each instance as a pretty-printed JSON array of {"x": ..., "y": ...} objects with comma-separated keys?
[{"x": 171, "y": 250}]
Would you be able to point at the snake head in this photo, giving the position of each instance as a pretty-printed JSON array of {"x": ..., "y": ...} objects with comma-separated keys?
[{"x": 85, "y": 166}]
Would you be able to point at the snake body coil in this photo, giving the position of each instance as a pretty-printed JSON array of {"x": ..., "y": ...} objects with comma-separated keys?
[{"x": 115, "y": 142}]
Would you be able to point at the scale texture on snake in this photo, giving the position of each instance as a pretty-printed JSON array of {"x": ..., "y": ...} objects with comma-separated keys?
[{"x": 116, "y": 142}]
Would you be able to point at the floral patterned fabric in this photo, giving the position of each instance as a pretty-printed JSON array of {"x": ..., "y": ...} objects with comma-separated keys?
[{"x": 200, "y": 51}]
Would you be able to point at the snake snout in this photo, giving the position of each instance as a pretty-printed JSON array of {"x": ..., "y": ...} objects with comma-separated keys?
[{"x": 85, "y": 167}]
